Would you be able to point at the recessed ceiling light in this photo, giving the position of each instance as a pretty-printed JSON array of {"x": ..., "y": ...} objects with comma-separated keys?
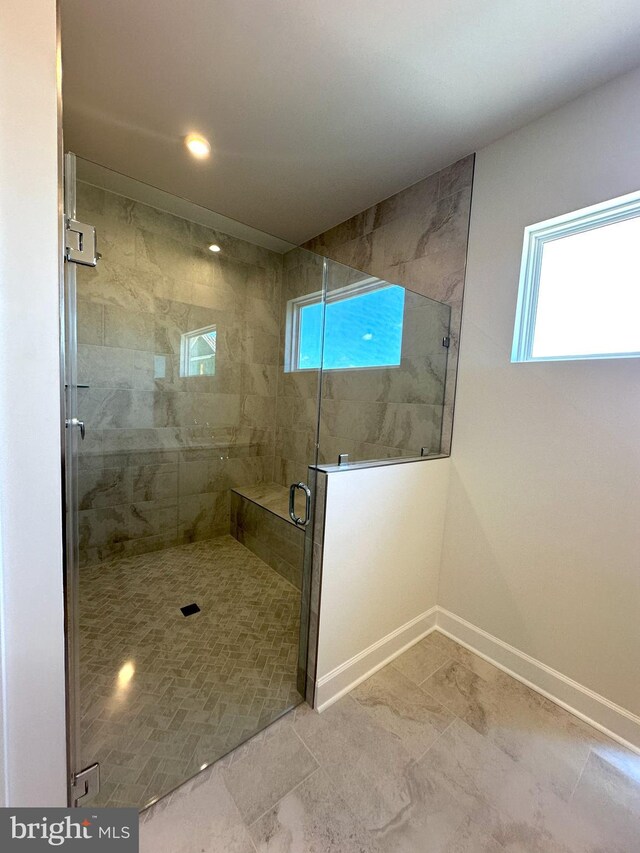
[
  {"x": 197, "y": 145},
  {"x": 214, "y": 248}
]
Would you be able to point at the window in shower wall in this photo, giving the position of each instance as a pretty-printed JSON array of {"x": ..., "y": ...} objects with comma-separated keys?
[
  {"x": 384, "y": 368},
  {"x": 363, "y": 325},
  {"x": 198, "y": 352}
]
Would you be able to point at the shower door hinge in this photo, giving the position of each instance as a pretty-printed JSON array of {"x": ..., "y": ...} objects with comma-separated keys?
[
  {"x": 85, "y": 784},
  {"x": 446, "y": 342},
  {"x": 80, "y": 243}
]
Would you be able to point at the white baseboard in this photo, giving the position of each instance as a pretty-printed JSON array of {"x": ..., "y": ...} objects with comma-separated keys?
[
  {"x": 349, "y": 674},
  {"x": 612, "y": 719},
  {"x": 604, "y": 715}
]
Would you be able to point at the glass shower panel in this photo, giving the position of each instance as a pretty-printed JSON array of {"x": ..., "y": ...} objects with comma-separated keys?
[
  {"x": 299, "y": 370},
  {"x": 190, "y": 570},
  {"x": 384, "y": 365},
  {"x": 297, "y": 416}
]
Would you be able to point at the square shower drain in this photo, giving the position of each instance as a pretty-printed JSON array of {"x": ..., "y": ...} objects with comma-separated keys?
[{"x": 190, "y": 609}]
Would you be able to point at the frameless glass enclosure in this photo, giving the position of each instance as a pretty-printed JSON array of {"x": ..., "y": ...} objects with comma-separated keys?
[
  {"x": 382, "y": 352},
  {"x": 209, "y": 369},
  {"x": 188, "y": 570},
  {"x": 383, "y": 369}
]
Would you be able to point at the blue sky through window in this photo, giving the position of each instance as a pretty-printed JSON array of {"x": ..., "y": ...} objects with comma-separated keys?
[{"x": 363, "y": 330}]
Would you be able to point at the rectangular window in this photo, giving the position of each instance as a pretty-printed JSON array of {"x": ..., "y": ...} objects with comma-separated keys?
[
  {"x": 362, "y": 328},
  {"x": 198, "y": 352},
  {"x": 579, "y": 291}
]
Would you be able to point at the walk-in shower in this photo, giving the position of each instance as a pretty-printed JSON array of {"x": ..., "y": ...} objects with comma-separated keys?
[{"x": 208, "y": 370}]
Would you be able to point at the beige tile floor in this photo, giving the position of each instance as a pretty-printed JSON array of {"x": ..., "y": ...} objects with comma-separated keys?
[
  {"x": 163, "y": 694},
  {"x": 439, "y": 752}
]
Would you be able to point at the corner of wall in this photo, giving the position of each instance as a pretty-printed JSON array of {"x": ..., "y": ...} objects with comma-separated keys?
[{"x": 33, "y": 662}]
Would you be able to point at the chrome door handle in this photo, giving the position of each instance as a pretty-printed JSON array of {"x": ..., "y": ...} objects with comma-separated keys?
[
  {"x": 301, "y": 522},
  {"x": 77, "y": 423}
]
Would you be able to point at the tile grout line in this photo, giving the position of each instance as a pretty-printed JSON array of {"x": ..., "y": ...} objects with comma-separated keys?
[
  {"x": 435, "y": 671},
  {"x": 440, "y": 734},
  {"x": 489, "y": 740},
  {"x": 431, "y": 674},
  {"x": 221, "y": 777},
  {"x": 249, "y": 836},
  {"x": 301, "y": 739},
  {"x": 451, "y": 660},
  {"x": 284, "y": 796},
  {"x": 580, "y": 775},
  {"x": 322, "y": 769}
]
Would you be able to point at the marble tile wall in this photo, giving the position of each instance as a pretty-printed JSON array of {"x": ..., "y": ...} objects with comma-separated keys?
[
  {"x": 417, "y": 238},
  {"x": 162, "y": 450}
]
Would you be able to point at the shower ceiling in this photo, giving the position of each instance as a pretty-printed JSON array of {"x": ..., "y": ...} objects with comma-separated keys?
[{"x": 316, "y": 110}]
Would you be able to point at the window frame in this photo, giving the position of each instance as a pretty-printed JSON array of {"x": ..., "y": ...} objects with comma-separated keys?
[
  {"x": 185, "y": 358},
  {"x": 292, "y": 326},
  {"x": 535, "y": 237},
  {"x": 292, "y": 331}
]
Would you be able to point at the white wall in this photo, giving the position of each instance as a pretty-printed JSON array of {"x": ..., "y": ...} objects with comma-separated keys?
[
  {"x": 382, "y": 550},
  {"x": 542, "y": 540},
  {"x": 30, "y": 513}
]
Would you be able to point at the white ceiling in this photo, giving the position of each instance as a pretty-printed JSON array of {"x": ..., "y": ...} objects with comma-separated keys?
[{"x": 316, "y": 110}]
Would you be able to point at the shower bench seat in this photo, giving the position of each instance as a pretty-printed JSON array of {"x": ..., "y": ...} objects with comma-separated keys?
[{"x": 259, "y": 519}]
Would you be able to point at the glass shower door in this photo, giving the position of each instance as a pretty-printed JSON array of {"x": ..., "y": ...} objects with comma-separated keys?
[
  {"x": 83, "y": 780},
  {"x": 185, "y": 580}
]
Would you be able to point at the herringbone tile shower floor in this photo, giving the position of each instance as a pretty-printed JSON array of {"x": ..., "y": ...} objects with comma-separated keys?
[{"x": 163, "y": 694}]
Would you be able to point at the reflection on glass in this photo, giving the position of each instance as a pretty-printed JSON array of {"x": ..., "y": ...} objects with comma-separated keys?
[{"x": 123, "y": 684}]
